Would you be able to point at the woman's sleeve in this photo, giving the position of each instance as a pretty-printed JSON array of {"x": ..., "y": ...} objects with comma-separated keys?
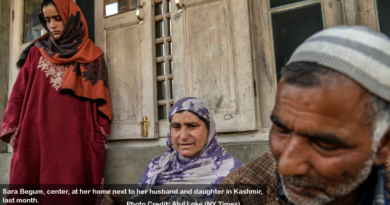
[{"x": 12, "y": 112}]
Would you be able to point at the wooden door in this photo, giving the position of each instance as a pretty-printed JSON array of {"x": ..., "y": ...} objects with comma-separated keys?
[
  {"x": 212, "y": 60},
  {"x": 127, "y": 43}
]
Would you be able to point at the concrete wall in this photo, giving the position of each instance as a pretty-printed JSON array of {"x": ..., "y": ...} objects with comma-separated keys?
[
  {"x": 5, "y": 161},
  {"x": 125, "y": 166},
  {"x": 4, "y": 43}
]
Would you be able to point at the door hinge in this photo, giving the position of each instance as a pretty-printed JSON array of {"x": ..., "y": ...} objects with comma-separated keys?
[
  {"x": 13, "y": 15},
  {"x": 254, "y": 87}
]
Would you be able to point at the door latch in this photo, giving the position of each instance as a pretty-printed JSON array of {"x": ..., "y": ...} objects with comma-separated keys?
[{"x": 145, "y": 126}]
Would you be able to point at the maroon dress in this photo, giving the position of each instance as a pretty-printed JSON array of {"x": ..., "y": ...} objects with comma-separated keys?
[{"x": 59, "y": 138}]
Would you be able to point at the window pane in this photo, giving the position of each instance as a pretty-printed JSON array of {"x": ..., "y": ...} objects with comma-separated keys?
[
  {"x": 159, "y": 29},
  {"x": 160, "y": 68},
  {"x": 169, "y": 7},
  {"x": 117, "y": 6},
  {"x": 162, "y": 113},
  {"x": 384, "y": 16},
  {"x": 169, "y": 27},
  {"x": 161, "y": 90},
  {"x": 290, "y": 28},
  {"x": 170, "y": 48},
  {"x": 159, "y": 50},
  {"x": 276, "y": 3},
  {"x": 89, "y": 14},
  {"x": 170, "y": 67},
  {"x": 32, "y": 27},
  {"x": 158, "y": 9},
  {"x": 171, "y": 84}
]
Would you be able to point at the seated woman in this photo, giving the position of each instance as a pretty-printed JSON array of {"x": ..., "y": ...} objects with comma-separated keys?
[{"x": 194, "y": 155}]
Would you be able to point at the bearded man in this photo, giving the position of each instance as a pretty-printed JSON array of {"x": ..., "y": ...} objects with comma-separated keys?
[{"x": 330, "y": 138}]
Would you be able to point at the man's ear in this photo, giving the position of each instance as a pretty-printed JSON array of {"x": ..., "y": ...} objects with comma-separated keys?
[{"x": 383, "y": 149}]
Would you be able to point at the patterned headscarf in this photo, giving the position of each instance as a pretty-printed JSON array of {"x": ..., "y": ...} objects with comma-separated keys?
[
  {"x": 86, "y": 72},
  {"x": 209, "y": 167}
]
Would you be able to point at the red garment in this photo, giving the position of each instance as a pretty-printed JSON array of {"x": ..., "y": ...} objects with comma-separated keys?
[
  {"x": 86, "y": 75},
  {"x": 58, "y": 137}
]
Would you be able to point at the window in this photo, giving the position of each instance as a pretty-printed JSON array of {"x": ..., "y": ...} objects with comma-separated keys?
[
  {"x": 291, "y": 26},
  {"x": 276, "y": 3},
  {"x": 384, "y": 15},
  {"x": 86, "y": 6},
  {"x": 118, "y": 6},
  {"x": 32, "y": 26},
  {"x": 164, "y": 69},
  {"x": 278, "y": 27}
]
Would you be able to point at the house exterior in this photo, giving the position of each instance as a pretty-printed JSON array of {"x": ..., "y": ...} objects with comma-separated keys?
[{"x": 229, "y": 53}]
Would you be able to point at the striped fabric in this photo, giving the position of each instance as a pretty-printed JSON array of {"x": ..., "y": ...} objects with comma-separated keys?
[{"x": 360, "y": 53}]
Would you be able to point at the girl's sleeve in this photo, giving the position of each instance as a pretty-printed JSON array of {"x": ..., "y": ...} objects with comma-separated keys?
[
  {"x": 101, "y": 123},
  {"x": 10, "y": 122},
  {"x": 104, "y": 125},
  {"x": 102, "y": 120}
]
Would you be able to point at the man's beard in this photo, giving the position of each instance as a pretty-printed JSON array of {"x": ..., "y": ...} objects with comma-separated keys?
[{"x": 323, "y": 191}]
